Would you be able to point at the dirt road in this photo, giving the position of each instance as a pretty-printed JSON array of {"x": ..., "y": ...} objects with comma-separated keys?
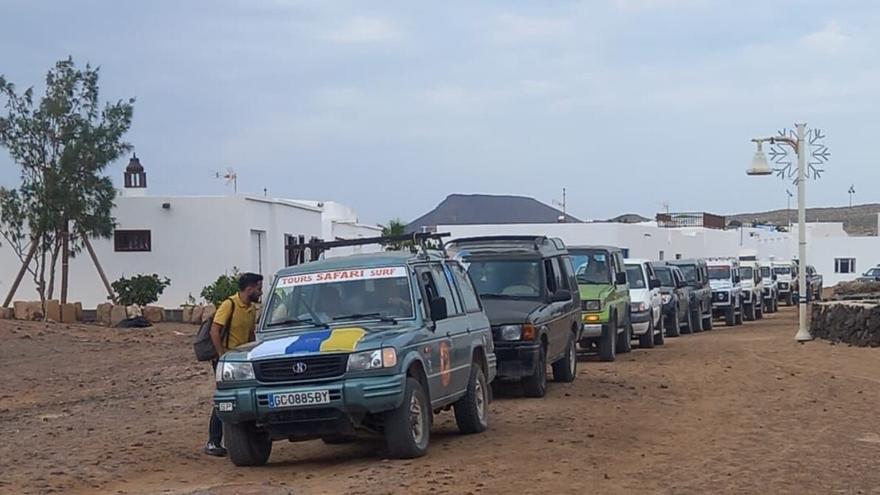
[{"x": 746, "y": 410}]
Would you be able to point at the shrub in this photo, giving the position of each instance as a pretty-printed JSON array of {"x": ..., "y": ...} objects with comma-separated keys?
[
  {"x": 224, "y": 287},
  {"x": 140, "y": 289}
]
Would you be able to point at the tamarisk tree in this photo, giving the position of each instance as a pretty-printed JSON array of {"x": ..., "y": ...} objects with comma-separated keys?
[{"x": 62, "y": 143}]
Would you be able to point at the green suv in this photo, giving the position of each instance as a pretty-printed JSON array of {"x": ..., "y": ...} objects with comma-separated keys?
[
  {"x": 601, "y": 278},
  {"x": 369, "y": 343}
]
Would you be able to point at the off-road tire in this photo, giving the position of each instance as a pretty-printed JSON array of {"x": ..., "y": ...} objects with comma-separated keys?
[
  {"x": 246, "y": 445},
  {"x": 472, "y": 410},
  {"x": 688, "y": 326},
  {"x": 738, "y": 318},
  {"x": 697, "y": 320},
  {"x": 565, "y": 369},
  {"x": 624, "y": 340},
  {"x": 707, "y": 321},
  {"x": 759, "y": 311},
  {"x": 401, "y": 437},
  {"x": 673, "y": 324},
  {"x": 789, "y": 299},
  {"x": 536, "y": 385},
  {"x": 749, "y": 312},
  {"x": 730, "y": 316},
  {"x": 659, "y": 339},
  {"x": 608, "y": 341},
  {"x": 646, "y": 341}
]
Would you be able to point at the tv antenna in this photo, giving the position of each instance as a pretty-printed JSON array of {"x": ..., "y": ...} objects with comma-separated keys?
[
  {"x": 561, "y": 204},
  {"x": 230, "y": 177}
]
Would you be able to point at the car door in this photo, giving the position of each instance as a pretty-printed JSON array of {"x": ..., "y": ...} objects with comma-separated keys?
[
  {"x": 557, "y": 324},
  {"x": 656, "y": 302},
  {"x": 436, "y": 351},
  {"x": 455, "y": 356},
  {"x": 478, "y": 326},
  {"x": 574, "y": 305}
]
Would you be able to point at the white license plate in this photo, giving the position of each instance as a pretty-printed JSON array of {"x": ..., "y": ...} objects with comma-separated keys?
[{"x": 297, "y": 399}]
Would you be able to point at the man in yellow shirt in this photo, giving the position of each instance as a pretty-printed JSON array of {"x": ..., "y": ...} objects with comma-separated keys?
[{"x": 239, "y": 312}]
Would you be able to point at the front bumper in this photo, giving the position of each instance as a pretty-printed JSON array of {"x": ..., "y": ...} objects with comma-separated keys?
[
  {"x": 517, "y": 359},
  {"x": 640, "y": 321},
  {"x": 350, "y": 400},
  {"x": 592, "y": 331},
  {"x": 720, "y": 299}
]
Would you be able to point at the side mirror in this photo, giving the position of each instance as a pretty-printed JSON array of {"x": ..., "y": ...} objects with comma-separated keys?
[
  {"x": 736, "y": 279},
  {"x": 561, "y": 295},
  {"x": 621, "y": 278},
  {"x": 438, "y": 309},
  {"x": 654, "y": 283}
]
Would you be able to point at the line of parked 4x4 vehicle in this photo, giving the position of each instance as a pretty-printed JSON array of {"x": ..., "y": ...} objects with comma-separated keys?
[{"x": 377, "y": 344}]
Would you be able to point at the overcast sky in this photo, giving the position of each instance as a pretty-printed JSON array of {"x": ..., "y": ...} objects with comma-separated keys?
[{"x": 390, "y": 106}]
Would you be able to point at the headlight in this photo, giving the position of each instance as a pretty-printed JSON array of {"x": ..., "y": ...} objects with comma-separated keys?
[
  {"x": 593, "y": 305},
  {"x": 510, "y": 332},
  {"x": 666, "y": 298},
  {"x": 722, "y": 296},
  {"x": 385, "y": 357},
  {"x": 639, "y": 307},
  {"x": 235, "y": 371}
]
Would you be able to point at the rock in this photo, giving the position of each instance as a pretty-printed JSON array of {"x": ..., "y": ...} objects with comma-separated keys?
[
  {"x": 154, "y": 314},
  {"x": 103, "y": 313},
  {"x": 53, "y": 310},
  {"x": 208, "y": 312},
  {"x": 35, "y": 311},
  {"x": 850, "y": 322},
  {"x": 21, "y": 310},
  {"x": 68, "y": 313},
  {"x": 117, "y": 315},
  {"x": 134, "y": 311},
  {"x": 7, "y": 313},
  {"x": 187, "y": 314},
  {"x": 79, "y": 311},
  {"x": 197, "y": 315}
]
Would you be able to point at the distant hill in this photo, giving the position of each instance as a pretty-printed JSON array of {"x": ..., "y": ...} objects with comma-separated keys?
[
  {"x": 860, "y": 220},
  {"x": 470, "y": 209}
]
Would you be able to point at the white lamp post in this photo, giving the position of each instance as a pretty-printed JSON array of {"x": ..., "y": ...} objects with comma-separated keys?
[{"x": 761, "y": 167}]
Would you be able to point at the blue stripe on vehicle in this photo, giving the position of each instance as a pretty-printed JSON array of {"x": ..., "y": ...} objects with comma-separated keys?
[{"x": 308, "y": 343}]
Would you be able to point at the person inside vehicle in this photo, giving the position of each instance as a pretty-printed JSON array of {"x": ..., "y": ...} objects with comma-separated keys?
[{"x": 239, "y": 313}]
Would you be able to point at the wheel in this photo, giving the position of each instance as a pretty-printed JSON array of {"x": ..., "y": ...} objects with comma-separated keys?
[
  {"x": 565, "y": 369},
  {"x": 672, "y": 324},
  {"x": 472, "y": 410},
  {"x": 608, "y": 341},
  {"x": 338, "y": 439},
  {"x": 730, "y": 316},
  {"x": 749, "y": 312},
  {"x": 697, "y": 320},
  {"x": 247, "y": 446},
  {"x": 624, "y": 340},
  {"x": 688, "y": 325},
  {"x": 408, "y": 428},
  {"x": 738, "y": 317},
  {"x": 789, "y": 299},
  {"x": 707, "y": 321},
  {"x": 659, "y": 339},
  {"x": 776, "y": 304},
  {"x": 646, "y": 341},
  {"x": 536, "y": 385}
]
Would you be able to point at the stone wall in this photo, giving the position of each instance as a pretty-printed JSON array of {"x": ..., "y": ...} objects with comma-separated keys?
[{"x": 851, "y": 322}]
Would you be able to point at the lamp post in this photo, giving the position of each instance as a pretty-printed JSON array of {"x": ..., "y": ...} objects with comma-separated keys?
[{"x": 760, "y": 167}]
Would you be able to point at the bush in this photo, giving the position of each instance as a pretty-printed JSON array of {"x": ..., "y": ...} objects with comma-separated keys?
[
  {"x": 140, "y": 289},
  {"x": 223, "y": 288}
]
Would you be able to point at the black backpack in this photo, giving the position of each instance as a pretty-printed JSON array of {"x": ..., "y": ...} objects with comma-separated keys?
[{"x": 203, "y": 345}]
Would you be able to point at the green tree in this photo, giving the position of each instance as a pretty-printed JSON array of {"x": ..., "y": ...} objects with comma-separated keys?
[
  {"x": 140, "y": 289},
  {"x": 62, "y": 142},
  {"x": 221, "y": 289},
  {"x": 395, "y": 227}
]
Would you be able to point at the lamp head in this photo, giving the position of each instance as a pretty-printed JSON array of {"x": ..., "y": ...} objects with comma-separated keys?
[{"x": 759, "y": 163}]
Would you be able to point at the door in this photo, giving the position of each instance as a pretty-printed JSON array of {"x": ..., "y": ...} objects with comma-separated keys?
[
  {"x": 555, "y": 322},
  {"x": 258, "y": 251},
  {"x": 621, "y": 291},
  {"x": 457, "y": 330},
  {"x": 656, "y": 301}
]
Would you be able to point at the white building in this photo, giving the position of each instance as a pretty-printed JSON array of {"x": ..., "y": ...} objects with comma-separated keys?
[
  {"x": 193, "y": 239},
  {"x": 836, "y": 255}
]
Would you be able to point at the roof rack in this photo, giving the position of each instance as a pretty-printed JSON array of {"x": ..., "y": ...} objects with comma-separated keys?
[
  {"x": 299, "y": 251},
  {"x": 536, "y": 240}
]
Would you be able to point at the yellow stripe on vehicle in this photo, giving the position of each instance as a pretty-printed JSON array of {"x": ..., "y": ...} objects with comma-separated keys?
[{"x": 343, "y": 340}]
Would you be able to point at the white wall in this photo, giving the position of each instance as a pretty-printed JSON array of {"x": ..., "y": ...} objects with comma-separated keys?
[{"x": 193, "y": 242}]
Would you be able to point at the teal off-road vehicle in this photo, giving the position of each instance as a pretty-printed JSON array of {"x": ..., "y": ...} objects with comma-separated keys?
[
  {"x": 605, "y": 301},
  {"x": 369, "y": 343}
]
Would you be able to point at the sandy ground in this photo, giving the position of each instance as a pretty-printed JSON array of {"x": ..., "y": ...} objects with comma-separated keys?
[{"x": 745, "y": 410}]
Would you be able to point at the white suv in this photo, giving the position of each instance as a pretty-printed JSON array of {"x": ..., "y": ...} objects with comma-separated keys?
[
  {"x": 752, "y": 290},
  {"x": 771, "y": 289},
  {"x": 646, "y": 305},
  {"x": 726, "y": 290}
]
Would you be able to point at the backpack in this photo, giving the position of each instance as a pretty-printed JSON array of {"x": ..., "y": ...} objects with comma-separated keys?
[{"x": 203, "y": 345}]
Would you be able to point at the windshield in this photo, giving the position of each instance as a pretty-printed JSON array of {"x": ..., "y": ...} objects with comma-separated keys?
[
  {"x": 765, "y": 272},
  {"x": 873, "y": 272},
  {"x": 506, "y": 278},
  {"x": 634, "y": 277},
  {"x": 325, "y": 297},
  {"x": 592, "y": 267},
  {"x": 782, "y": 270},
  {"x": 746, "y": 272},
  {"x": 689, "y": 272},
  {"x": 665, "y": 276},
  {"x": 719, "y": 273}
]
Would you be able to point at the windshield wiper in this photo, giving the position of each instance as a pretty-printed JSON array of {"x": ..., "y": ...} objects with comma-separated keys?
[
  {"x": 295, "y": 321},
  {"x": 355, "y": 316}
]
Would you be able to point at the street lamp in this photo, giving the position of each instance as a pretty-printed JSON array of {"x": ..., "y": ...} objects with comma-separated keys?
[{"x": 760, "y": 167}]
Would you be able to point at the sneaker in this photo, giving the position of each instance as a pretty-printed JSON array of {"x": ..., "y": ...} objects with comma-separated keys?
[{"x": 213, "y": 449}]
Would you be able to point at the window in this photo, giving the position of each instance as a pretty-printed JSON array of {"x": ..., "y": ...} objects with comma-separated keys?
[
  {"x": 625, "y": 252},
  {"x": 568, "y": 273},
  {"x": 662, "y": 254},
  {"x": 506, "y": 278},
  {"x": 844, "y": 265},
  {"x": 550, "y": 275},
  {"x": 634, "y": 277},
  {"x": 469, "y": 297},
  {"x": 444, "y": 290},
  {"x": 592, "y": 267},
  {"x": 132, "y": 241}
]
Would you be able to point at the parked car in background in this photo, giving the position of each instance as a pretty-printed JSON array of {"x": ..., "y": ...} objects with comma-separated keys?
[
  {"x": 786, "y": 275},
  {"x": 528, "y": 288},
  {"x": 726, "y": 291},
  {"x": 696, "y": 273},
  {"x": 675, "y": 294},
  {"x": 814, "y": 284},
  {"x": 601, "y": 278},
  {"x": 646, "y": 306},
  {"x": 752, "y": 290},
  {"x": 871, "y": 275},
  {"x": 770, "y": 294},
  {"x": 371, "y": 343}
]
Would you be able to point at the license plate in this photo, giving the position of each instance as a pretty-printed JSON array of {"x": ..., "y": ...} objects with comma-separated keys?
[{"x": 297, "y": 399}]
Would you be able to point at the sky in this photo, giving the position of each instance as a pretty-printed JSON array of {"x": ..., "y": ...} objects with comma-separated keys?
[{"x": 390, "y": 106}]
